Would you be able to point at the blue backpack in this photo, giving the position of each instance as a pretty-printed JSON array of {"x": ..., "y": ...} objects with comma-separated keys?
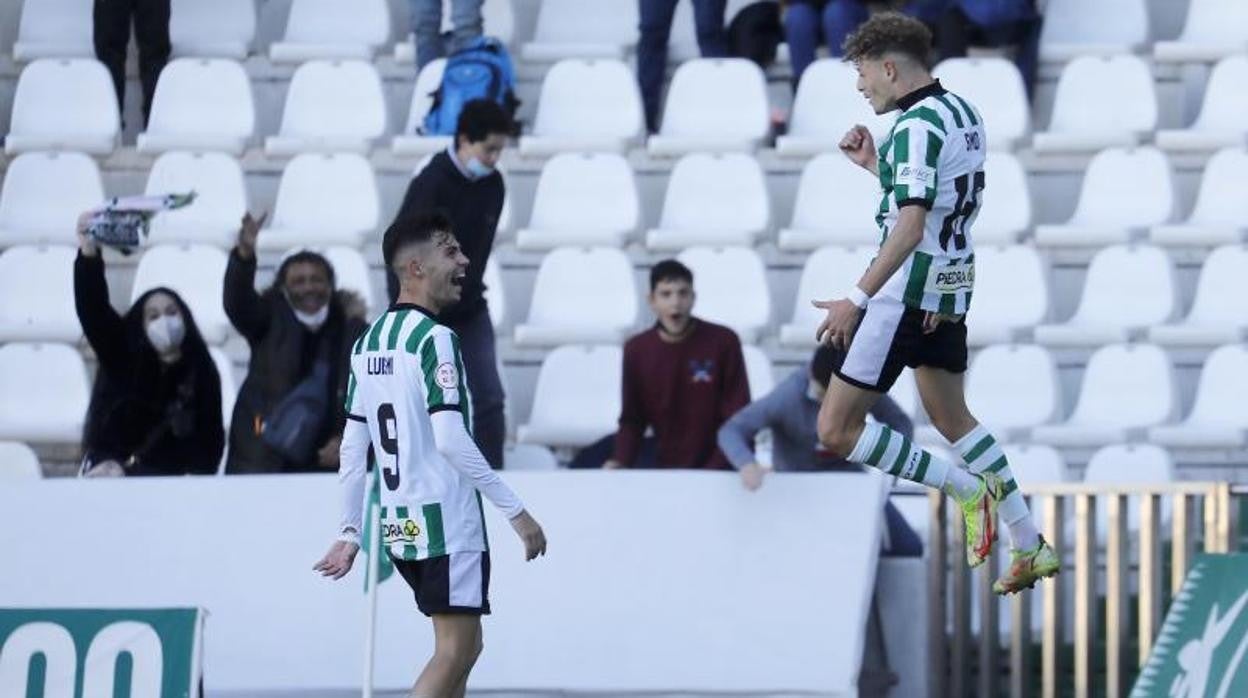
[{"x": 480, "y": 70}]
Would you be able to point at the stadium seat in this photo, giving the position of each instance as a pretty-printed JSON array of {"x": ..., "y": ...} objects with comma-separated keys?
[
  {"x": 1129, "y": 288},
  {"x": 712, "y": 199},
  {"x": 1218, "y": 418},
  {"x": 197, "y": 274},
  {"x": 581, "y": 296},
  {"x": 1219, "y": 314},
  {"x": 64, "y": 104},
  {"x": 529, "y": 457},
  {"x": 1088, "y": 112},
  {"x": 1074, "y": 28},
  {"x": 906, "y": 393},
  {"x": 585, "y": 105},
  {"x": 713, "y": 105},
  {"x": 497, "y": 16},
  {"x": 579, "y": 29},
  {"x": 731, "y": 283},
  {"x": 583, "y": 199},
  {"x": 1036, "y": 463},
  {"x": 758, "y": 371},
  {"x": 1005, "y": 213},
  {"x": 1214, "y": 29},
  {"x": 323, "y": 199},
  {"x": 1221, "y": 211},
  {"x": 31, "y": 212},
  {"x": 229, "y": 386},
  {"x": 1013, "y": 387},
  {"x": 1011, "y": 294},
  {"x": 18, "y": 462},
  {"x": 332, "y": 106},
  {"x": 220, "y": 198},
  {"x": 411, "y": 141},
  {"x": 331, "y": 29},
  {"x": 54, "y": 29},
  {"x": 200, "y": 104},
  {"x": 1129, "y": 464},
  {"x": 995, "y": 88},
  {"x": 827, "y": 105},
  {"x": 351, "y": 273},
  {"x": 577, "y": 397},
  {"x": 827, "y": 274},
  {"x": 52, "y": 382},
  {"x": 37, "y": 288},
  {"x": 1221, "y": 119},
  {"x": 1141, "y": 176},
  {"x": 836, "y": 205},
  {"x": 495, "y": 293},
  {"x": 1126, "y": 388},
  {"x": 218, "y": 29}
]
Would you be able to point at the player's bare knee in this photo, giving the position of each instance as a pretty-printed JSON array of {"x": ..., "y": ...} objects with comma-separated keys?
[{"x": 836, "y": 436}]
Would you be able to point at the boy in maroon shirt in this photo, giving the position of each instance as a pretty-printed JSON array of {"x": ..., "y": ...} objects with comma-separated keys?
[{"x": 684, "y": 377}]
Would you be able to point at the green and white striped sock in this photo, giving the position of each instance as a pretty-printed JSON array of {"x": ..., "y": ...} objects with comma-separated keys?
[
  {"x": 881, "y": 447},
  {"x": 983, "y": 454}
]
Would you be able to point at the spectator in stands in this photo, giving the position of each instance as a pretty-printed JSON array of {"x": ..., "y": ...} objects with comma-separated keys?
[
  {"x": 683, "y": 377},
  {"x": 463, "y": 183},
  {"x": 656, "y": 29},
  {"x": 807, "y": 23},
  {"x": 156, "y": 405},
  {"x": 791, "y": 411},
  {"x": 966, "y": 23},
  {"x": 150, "y": 18},
  {"x": 431, "y": 44},
  {"x": 289, "y": 413}
]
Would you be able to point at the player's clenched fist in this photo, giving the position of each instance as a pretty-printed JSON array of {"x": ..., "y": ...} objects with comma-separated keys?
[
  {"x": 531, "y": 534},
  {"x": 859, "y": 146}
]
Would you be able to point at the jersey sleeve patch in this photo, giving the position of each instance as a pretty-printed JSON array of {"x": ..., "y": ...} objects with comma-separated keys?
[
  {"x": 446, "y": 376},
  {"x": 440, "y": 367}
]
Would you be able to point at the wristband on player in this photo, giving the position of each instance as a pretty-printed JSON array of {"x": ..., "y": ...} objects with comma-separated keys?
[
  {"x": 349, "y": 535},
  {"x": 857, "y": 296}
]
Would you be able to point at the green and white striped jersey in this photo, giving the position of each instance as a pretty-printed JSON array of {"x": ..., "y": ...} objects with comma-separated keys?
[
  {"x": 404, "y": 368},
  {"x": 934, "y": 157}
]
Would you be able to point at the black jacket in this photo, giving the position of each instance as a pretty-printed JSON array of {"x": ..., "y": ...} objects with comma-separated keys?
[
  {"x": 282, "y": 354},
  {"x": 168, "y": 416}
]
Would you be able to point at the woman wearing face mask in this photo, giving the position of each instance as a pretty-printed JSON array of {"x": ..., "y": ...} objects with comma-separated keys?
[
  {"x": 297, "y": 328},
  {"x": 156, "y": 405}
]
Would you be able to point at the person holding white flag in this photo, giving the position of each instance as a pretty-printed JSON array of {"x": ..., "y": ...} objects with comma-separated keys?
[{"x": 408, "y": 398}]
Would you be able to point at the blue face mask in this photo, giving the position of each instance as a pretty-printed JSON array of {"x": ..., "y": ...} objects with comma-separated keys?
[{"x": 478, "y": 169}]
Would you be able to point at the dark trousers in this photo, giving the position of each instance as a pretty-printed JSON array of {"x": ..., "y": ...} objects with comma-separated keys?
[
  {"x": 489, "y": 424},
  {"x": 656, "y": 29},
  {"x": 956, "y": 32},
  {"x": 151, "y": 31},
  {"x": 806, "y": 26}
]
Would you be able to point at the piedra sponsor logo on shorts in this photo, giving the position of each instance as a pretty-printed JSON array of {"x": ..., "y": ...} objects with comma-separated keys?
[{"x": 404, "y": 531}]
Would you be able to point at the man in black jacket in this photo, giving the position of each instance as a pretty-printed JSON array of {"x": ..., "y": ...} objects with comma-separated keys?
[{"x": 463, "y": 183}]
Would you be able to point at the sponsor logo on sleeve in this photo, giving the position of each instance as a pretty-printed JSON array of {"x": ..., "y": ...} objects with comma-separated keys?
[{"x": 916, "y": 176}]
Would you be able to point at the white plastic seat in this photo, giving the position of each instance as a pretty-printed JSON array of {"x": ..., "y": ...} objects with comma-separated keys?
[
  {"x": 1124, "y": 193},
  {"x": 332, "y": 106},
  {"x": 1129, "y": 288},
  {"x": 828, "y": 104},
  {"x": 1035, "y": 463},
  {"x": 579, "y": 29},
  {"x": 758, "y": 371},
  {"x": 1074, "y": 28},
  {"x": 1221, "y": 119},
  {"x": 495, "y": 293},
  {"x": 54, "y": 29},
  {"x": 220, "y": 198},
  {"x": 836, "y": 205},
  {"x": 577, "y": 397},
  {"x": 1214, "y": 29},
  {"x": 64, "y": 104},
  {"x": 200, "y": 104},
  {"x": 37, "y": 295},
  {"x": 1088, "y": 108},
  {"x": 1221, "y": 211},
  {"x": 995, "y": 87},
  {"x": 323, "y": 199},
  {"x": 713, "y": 105},
  {"x": 43, "y": 393},
  {"x": 332, "y": 29},
  {"x": 1011, "y": 294},
  {"x": 32, "y": 212},
  {"x": 582, "y": 199},
  {"x": 1128, "y": 464},
  {"x": 731, "y": 283},
  {"x": 229, "y": 386},
  {"x": 218, "y": 29},
  {"x": 197, "y": 274},
  {"x": 531, "y": 457},
  {"x": 712, "y": 199},
  {"x": 411, "y": 141},
  {"x": 1126, "y": 388},
  {"x": 1218, "y": 418},
  {"x": 1013, "y": 387},
  {"x": 351, "y": 273},
  {"x": 1219, "y": 314},
  {"x": 1005, "y": 214},
  {"x": 828, "y": 272},
  {"x": 581, "y": 296},
  {"x": 585, "y": 105},
  {"x": 18, "y": 462}
]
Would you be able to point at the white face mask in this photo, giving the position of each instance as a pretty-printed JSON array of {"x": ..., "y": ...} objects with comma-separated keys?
[
  {"x": 166, "y": 332},
  {"x": 312, "y": 321},
  {"x": 478, "y": 169}
]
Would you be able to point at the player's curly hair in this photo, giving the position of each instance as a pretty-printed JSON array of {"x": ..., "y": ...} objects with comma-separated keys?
[{"x": 889, "y": 32}]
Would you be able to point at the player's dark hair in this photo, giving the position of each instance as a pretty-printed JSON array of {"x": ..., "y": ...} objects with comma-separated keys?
[
  {"x": 821, "y": 365},
  {"x": 482, "y": 118},
  {"x": 889, "y": 32},
  {"x": 410, "y": 230},
  {"x": 669, "y": 270}
]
